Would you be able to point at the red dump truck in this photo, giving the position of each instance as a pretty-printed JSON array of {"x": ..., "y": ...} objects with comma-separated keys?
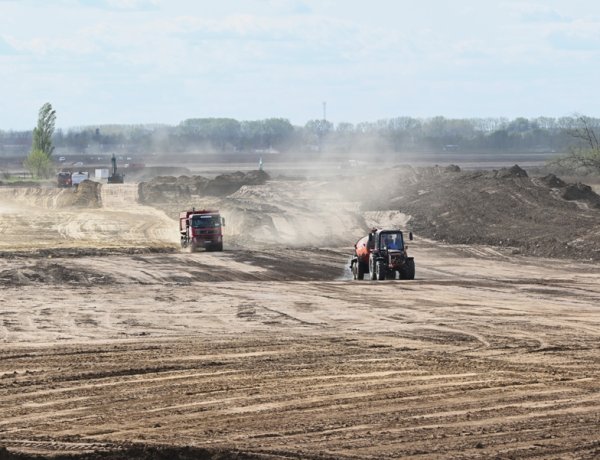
[
  {"x": 382, "y": 254},
  {"x": 201, "y": 229},
  {"x": 64, "y": 179}
]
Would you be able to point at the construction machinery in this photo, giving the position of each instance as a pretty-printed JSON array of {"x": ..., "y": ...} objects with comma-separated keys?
[
  {"x": 115, "y": 177},
  {"x": 201, "y": 229},
  {"x": 383, "y": 255},
  {"x": 64, "y": 180}
]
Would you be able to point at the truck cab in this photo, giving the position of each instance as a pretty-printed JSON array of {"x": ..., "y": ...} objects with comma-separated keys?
[
  {"x": 64, "y": 179},
  {"x": 201, "y": 229}
]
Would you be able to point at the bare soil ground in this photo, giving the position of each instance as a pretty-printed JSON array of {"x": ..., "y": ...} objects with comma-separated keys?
[{"x": 117, "y": 345}]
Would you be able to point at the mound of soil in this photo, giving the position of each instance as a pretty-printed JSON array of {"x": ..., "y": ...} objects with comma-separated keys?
[
  {"x": 452, "y": 168},
  {"x": 86, "y": 195},
  {"x": 572, "y": 192},
  {"x": 502, "y": 208},
  {"x": 553, "y": 182},
  {"x": 513, "y": 171},
  {"x": 49, "y": 273},
  {"x": 150, "y": 172},
  {"x": 581, "y": 192},
  {"x": 175, "y": 189}
]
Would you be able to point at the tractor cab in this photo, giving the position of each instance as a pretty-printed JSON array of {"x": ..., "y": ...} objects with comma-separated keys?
[
  {"x": 391, "y": 241},
  {"x": 387, "y": 240}
]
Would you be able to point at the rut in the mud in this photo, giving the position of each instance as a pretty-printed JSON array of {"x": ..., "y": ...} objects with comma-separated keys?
[{"x": 141, "y": 452}]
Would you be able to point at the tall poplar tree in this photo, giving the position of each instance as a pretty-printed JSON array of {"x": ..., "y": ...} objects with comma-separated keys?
[
  {"x": 39, "y": 162},
  {"x": 42, "y": 133}
]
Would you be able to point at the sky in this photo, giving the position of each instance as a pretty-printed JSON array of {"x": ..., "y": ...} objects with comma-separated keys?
[{"x": 162, "y": 61}]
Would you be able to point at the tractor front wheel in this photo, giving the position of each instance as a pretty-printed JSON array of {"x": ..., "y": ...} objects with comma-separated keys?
[
  {"x": 380, "y": 270},
  {"x": 408, "y": 271}
]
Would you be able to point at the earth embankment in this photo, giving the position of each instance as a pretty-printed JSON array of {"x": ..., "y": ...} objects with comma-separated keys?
[
  {"x": 85, "y": 195},
  {"x": 89, "y": 218},
  {"x": 506, "y": 208}
]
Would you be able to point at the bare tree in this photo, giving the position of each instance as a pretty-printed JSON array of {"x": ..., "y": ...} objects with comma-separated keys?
[{"x": 585, "y": 153}]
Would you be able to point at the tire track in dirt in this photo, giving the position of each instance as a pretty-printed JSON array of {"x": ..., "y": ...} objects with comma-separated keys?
[{"x": 312, "y": 397}]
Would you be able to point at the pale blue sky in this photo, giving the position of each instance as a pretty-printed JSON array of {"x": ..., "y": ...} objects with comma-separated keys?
[{"x": 162, "y": 61}]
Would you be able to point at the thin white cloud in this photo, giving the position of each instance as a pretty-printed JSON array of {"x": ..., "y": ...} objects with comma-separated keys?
[
  {"x": 122, "y": 5},
  {"x": 5, "y": 47},
  {"x": 133, "y": 4},
  {"x": 249, "y": 58},
  {"x": 581, "y": 35},
  {"x": 290, "y": 6}
]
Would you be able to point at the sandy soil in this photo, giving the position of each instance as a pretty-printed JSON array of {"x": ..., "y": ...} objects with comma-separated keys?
[{"x": 111, "y": 337}]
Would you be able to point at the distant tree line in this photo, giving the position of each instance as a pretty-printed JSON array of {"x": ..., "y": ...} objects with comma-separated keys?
[{"x": 396, "y": 135}]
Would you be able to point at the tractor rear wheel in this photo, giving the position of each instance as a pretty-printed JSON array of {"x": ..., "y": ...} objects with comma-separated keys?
[
  {"x": 372, "y": 269},
  {"x": 358, "y": 270}
]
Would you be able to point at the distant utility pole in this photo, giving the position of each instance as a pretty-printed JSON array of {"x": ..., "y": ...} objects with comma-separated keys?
[{"x": 321, "y": 127}]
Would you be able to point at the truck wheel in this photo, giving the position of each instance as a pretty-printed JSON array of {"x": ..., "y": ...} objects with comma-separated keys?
[
  {"x": 218, "y": 247},
  {"x": 380, "y": 270}
]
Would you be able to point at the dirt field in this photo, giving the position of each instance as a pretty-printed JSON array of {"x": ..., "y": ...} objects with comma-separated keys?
[{"x": 115, "y": 344}]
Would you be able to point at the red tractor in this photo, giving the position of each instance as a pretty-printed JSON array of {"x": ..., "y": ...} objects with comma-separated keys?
[
  {"x": 201, "y": 229},
  {"x": 382, "y": 254}
]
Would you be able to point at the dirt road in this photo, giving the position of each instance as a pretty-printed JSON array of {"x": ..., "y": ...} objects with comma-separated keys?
[{"x": 276, "y": 353}]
